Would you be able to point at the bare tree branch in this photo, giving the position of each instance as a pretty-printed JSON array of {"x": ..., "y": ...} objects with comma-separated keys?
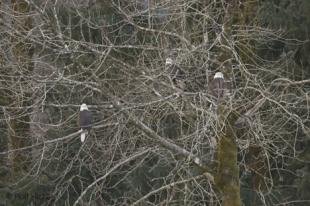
[{"x": 126, "y": 160}]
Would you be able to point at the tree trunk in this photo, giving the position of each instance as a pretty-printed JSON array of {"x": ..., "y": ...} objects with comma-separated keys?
[{"x": 227, "y": 177}]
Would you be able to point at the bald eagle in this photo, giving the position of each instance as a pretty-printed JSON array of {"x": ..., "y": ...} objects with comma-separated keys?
[
  {"x": 176, "y": 74},
  {"x": 85, "y": 121},
  {"x": 217, "y": 86}
]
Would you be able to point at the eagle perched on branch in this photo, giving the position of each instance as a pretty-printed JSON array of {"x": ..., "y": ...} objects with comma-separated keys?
[
  {"x": 85, "y": 121},
  {"x": 176, "y": 74},
  {"x": 217, "y": 86}
]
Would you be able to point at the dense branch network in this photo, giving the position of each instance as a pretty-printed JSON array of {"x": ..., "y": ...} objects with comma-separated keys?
[{"x": 55, "y": 55}]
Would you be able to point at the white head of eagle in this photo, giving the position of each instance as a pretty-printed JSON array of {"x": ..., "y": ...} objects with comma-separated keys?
[
  {"x": 219, "y": 75},
  {"x": 85, "y": 121},
  {"x": 168, "y": 61}
]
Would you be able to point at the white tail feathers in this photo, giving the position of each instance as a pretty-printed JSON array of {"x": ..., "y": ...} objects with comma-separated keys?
[{"x": 83, "y": 136}]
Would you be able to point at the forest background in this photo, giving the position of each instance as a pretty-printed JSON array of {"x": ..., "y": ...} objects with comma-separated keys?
[{"x": 153, "y": 143}]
